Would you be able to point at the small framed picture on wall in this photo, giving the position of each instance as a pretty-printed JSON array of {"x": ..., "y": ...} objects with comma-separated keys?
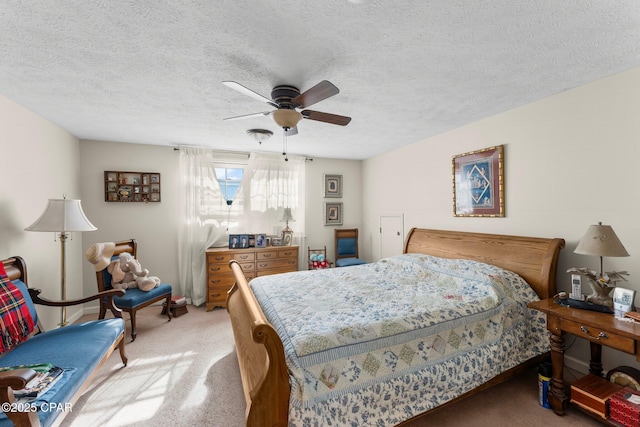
[
  {"x": 332, "y": 185},
  {"x": 333, "y": 213}
]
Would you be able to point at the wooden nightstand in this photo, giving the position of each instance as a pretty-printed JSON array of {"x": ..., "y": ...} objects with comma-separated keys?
[{"x": 599, "y": 328}]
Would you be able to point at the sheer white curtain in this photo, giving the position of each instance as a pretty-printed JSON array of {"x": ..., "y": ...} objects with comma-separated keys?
[
  {"x": 201, "y": 207},
  {"x": 272, "y": 185},
  {"x": 269, "y": 185}
]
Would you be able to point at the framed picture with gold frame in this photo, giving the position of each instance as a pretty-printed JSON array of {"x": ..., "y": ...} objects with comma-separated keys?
[{"x": 478, "y": 183}]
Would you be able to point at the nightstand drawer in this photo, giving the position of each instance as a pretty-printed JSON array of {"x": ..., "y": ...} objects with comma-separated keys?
[{"x": 600, "y": 336}]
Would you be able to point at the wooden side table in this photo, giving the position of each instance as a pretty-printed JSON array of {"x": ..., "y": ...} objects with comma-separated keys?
[{"x": 599, "y": 328}]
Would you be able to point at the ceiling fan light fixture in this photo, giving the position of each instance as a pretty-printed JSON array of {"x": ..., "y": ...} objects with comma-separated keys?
[
  {"x": 260, "y": 135},
  {"x": 286, "y": 118}
]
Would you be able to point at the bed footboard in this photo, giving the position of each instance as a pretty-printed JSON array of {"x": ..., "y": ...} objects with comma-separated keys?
[{"x": 260, "y": 352}]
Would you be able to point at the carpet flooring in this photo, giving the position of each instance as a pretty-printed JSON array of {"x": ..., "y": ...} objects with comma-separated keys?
[{"x": 185, "y": 373}]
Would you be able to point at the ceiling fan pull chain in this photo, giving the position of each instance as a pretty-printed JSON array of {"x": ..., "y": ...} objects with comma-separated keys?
[{"x": 284, "y": 144}]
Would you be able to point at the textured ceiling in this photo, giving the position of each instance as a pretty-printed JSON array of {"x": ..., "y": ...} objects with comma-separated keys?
[{"x": 151, "y": 72}]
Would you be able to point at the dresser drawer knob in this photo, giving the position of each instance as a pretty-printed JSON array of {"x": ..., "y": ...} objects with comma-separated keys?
[
  {"x": 266, "y": 255},
  {"x": 219, "y": 258},
  {"x": 215, "y": 295},
  {"x": 600, "y": 335}
]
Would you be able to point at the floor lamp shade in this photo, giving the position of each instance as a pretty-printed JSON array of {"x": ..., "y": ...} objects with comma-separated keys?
[{"x": 62, "y": 216}]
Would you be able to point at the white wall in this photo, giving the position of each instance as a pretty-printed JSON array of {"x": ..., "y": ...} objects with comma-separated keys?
[
  {"x": 570, "y": 161},
  {"x": 153, "y": 225},
  {"x": 39, "y": 162},
  {"x": 319, "y": 235}
]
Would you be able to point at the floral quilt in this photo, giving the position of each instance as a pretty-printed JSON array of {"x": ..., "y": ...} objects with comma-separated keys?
[{"x": 379, "y": 343}]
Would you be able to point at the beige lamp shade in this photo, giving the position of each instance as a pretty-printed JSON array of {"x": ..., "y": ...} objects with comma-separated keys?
[
  {"x": 287, "y": 216},
  {"x": 601, "y": 240},
  {"x": 62, "y": 215}
]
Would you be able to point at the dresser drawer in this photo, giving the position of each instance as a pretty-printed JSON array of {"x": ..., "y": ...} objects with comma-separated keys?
[
  {"x": 244, "y": 256},
  {"x": 599, "y": 336},
  {"x": 269, "y": 271},
  {"x": 219, "y": 258},
  {"x": 247, "y": 267},
  {"x": 218, "y": 269},
  {"x": 217, "y": 297},
  {"x": 288, "y": 253},
  {"x": 266, "y": 255},
  {"x": 277, "y": 263},
  {"x": 221, "y": 280}
]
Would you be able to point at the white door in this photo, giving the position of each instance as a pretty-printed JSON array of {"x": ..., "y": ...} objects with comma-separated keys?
[{"x": 391, "y": 235}]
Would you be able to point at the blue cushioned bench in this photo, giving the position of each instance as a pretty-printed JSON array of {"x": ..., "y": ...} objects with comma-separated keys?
[{"x": 80, "y": 349}]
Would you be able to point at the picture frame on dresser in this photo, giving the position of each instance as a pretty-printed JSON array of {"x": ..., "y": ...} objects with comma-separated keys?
[
  {"x": 287, "y": 238},
  {"x": 478, "y": 183},
  {"x": 261, "y": 240}
]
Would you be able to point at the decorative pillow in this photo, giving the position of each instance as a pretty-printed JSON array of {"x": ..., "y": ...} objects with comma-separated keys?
[{"x": 16, "y": 322}]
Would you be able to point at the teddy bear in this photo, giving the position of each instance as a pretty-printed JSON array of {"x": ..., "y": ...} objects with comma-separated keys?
[{"x": 141, "y": 279}]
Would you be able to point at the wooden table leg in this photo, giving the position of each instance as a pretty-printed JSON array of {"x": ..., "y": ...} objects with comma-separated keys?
[
  {"x": 595, "y": 364},
  {"x": 558, "y": 398}
]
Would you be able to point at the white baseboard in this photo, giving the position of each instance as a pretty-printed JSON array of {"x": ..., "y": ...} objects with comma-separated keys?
[
  {"x": 91, "y": 310},
  {"x": 576, "y": 364}
]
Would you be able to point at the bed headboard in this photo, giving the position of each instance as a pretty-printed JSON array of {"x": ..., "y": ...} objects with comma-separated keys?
[{"x": 535, "y": 259}]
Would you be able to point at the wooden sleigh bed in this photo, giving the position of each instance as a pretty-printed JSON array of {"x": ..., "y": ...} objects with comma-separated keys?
[{"x": 260, "y": 351}]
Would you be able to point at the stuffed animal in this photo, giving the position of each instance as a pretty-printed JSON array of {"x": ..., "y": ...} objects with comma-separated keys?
[
  {"x": 314, "y": 260},
  {"x": 322, "y": 263},
  {"x": 118, "y": 276},
  {"x": 141, "y": 277}
]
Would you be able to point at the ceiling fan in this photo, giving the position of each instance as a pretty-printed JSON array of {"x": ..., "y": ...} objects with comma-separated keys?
[{"x": 286, "y": 99}]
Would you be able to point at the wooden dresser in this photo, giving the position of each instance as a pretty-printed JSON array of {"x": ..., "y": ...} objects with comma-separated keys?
[{"x": 254, "y": 262}]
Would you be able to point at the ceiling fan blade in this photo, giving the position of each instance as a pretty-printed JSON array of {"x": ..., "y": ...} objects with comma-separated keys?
[
  {"x": 334, "y": 119},
  {"x": 248, "y": 116},
  {"x": 292, "y": 131},
  {"x": 249, "y": 92},
  {"x": 319, "y": 92}
]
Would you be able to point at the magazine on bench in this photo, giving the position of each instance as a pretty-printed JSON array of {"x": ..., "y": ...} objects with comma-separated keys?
[{"x": 46, "y": 376}]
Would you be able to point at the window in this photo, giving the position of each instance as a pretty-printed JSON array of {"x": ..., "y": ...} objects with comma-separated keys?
[{"x": 229, "y": 180}]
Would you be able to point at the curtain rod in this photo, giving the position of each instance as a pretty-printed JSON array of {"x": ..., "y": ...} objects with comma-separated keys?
[{"x": 242, "y": 153}]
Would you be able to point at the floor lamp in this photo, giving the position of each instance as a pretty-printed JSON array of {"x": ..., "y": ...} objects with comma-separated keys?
[{"x": 62, "y": 216}]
